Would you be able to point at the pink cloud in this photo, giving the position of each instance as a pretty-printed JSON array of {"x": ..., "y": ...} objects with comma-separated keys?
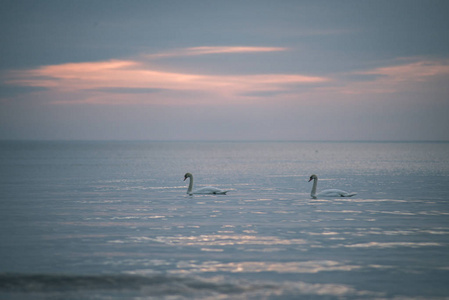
[
  {"x": 134, "y": 81},
  {"x": 415, "y": 71},
  {"x": 95, "y": 78},
  {"x": 397, "y": 78},
  {"x": 215, "y": 50}
]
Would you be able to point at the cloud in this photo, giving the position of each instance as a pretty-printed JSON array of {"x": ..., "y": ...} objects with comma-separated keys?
[
  {"x": 125, "y": 90},
  {"x": 215, "y": 50},
  {"x": 395, "y": 78},
  {"x": 121, "y": 81},
  {"x": 136, "y": 80}
]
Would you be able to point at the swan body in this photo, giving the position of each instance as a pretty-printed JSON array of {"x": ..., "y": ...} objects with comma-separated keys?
[
  {"x": 203, "y": 190},
  {"x": 329, "y": 192}
]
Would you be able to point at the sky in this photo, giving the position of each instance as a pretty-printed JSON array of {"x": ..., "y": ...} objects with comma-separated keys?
[{"x": 224, "y": 70}]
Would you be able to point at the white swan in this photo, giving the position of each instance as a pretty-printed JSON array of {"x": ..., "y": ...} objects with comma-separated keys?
[
  {"x": 327, "y": 193},
  {"x": 203, "y": 190}
]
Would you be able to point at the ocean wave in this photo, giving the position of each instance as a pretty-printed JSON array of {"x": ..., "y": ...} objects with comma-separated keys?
[
  {"x": 128, "y": 286},
  {"x": 393, "y": 245},
  {"x": 155, "y": 286},
  {"x": 221, "y": 240},
  {"x": 306, "y": 267}
]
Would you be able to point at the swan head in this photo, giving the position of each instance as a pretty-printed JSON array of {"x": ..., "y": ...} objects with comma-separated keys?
[
  {"x": 187, "y": 175},
  {"x": 313, "y": 177}
]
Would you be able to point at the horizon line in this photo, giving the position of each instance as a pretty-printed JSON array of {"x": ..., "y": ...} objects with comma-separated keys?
[{"x": 221, "y": 141}]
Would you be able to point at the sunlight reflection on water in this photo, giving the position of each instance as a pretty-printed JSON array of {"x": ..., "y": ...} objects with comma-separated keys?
[{"x": 130, "y": 215}]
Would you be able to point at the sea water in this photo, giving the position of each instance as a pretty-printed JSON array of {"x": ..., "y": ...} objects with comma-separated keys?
[{"x": 112, "y": 220}]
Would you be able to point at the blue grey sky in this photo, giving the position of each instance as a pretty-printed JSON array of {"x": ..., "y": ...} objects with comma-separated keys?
[{"x": 224, "y": 70}]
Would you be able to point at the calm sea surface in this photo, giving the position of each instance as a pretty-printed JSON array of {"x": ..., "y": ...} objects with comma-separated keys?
[{"x": 111, "y": 220}]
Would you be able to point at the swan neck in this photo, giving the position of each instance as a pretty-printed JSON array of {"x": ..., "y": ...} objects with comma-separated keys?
[
  {"x": 189, "y": 190},
  {"x": 313, "y": 193}
]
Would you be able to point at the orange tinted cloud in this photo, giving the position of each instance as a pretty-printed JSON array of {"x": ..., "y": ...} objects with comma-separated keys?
[
  {"x": 98, "y": 77},
  {"x": 132, "y": 81},
  {"x": 397, "y": 78},
  {"x": 416, "y": 71},
  {"x": 215, "y": 50}
]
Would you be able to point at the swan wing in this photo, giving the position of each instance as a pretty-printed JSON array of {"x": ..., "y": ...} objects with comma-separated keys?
[
  {"x": 209, "y": 190},
  {"x": 335, "y": 193}
]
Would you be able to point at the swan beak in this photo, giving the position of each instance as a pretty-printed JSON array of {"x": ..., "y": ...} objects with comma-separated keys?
[
  {"x": 310, "y": 179},
  {"x": 185, "y": 178}
]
